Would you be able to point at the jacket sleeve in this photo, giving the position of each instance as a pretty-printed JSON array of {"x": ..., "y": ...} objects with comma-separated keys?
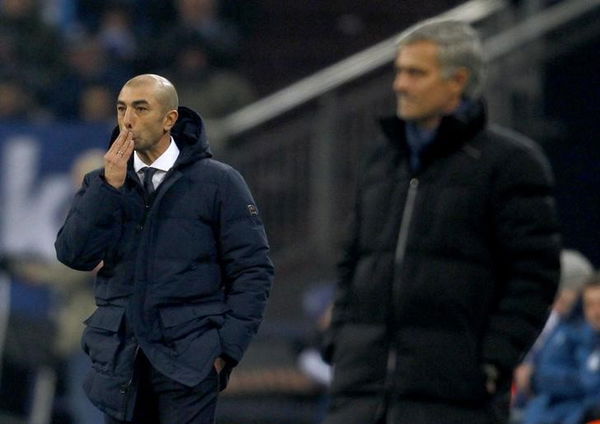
[
  {"x": 345, "y": 271},
  {"x": 527, "y": 248},
  {"x": 342, "y": 291},
  {"x": 349, "y": 258},
  {"x": 247, "y": 268},
  {"x": 92, "y": 224}
]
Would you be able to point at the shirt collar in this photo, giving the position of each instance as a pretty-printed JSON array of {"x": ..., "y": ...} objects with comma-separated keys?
[{"x": 164, "y": 162}]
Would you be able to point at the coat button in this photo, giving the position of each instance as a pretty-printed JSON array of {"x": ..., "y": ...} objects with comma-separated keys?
[{"x": 139, "y": 228}]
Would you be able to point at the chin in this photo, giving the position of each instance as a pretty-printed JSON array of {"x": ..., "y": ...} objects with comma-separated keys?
[
  {"x": 407, "y": 117},
  {"x": 406, "y": 113}
]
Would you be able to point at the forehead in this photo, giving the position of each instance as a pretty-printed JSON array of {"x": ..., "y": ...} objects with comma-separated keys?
[
  {"x": 592, "y": 294},
  {"x": 418, "y": 52},
  {"x": 138, "y": 92}
]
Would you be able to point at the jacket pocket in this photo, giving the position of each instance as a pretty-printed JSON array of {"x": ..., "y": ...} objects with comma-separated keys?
[
  {"x": 440, "y": 364},
  {"x": 174, "y": 315},
  {"x": 359, "y": 358},
  {"x": 101, "y": 340},
  {"x": 182, "y": 324}
]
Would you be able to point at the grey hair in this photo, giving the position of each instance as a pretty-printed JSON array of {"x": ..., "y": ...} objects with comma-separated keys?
[
  {"x": 575, "y": 269},
  {"x": 459, "y": 47}
]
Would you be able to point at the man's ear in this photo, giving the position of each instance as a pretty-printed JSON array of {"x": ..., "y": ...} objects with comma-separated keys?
[
  {"x": 170, "y": 119},
  {"x": 460, "y": 79}
]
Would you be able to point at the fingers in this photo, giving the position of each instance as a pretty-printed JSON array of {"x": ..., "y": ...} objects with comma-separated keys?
[
  {"x": 117, "y": 145},
  {"x": 122, "y": 148},
  {"x": 129, "y": 145},
  {"x": 115, "y": 159}
]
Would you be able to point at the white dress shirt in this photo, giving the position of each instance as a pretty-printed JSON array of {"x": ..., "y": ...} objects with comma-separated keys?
[{"x": 163, "y": 163}]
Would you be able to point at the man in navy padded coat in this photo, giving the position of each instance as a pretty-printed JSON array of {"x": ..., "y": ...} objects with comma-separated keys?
[
  {"x": 184, "y": 269},
  {"x": 453, "y": 257}
]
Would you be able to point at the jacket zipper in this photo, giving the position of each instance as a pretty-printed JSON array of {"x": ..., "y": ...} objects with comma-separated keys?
[
  {"x": 400, "y": 252},
  {"x": 409, "y": 206}
]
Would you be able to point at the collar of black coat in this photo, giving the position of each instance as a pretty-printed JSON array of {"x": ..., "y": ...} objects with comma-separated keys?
[
  {"x": 189, "y": 135},
  {"x": 453, "y": 132}
]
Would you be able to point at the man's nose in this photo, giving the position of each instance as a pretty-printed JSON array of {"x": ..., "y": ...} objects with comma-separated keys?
[
  {"x": 400, "y": 83},
  {"x": 128, "y": 119}
]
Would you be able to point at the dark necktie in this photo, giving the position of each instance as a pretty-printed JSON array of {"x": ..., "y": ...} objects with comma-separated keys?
[{"x": 148, "y": 174}]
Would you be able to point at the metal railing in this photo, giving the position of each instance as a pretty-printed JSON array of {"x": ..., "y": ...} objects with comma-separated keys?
[
  {"x": 299, "y": 148},
  {"x": 338, "y": 74}
]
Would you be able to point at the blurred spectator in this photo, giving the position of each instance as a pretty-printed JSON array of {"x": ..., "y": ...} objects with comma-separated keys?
[
  {"x": 73, "y": 302},
  {"x": 200, "y": 19},
  {"x": 14, "y": 100},
  {"x": 96, "y": 104},
  {"x": 88, "y": 64},
  {"x": 575, "y": 270},
  {"x": 212, "y": 91},
  {"x": 28, "y": 338},
  {"x": 77, "y": 304},
  {"x": 9, "y": 60},
  {"x": 318, "y": 305},
  {"x": 28, "y": 45},
  {"x": 60, "y": 14},
  {"x": 567, "y": 376},
  {"x": 590, "y": 354},
  {"x": 150, "y": 16},
  {"x": 296, "y": 391},
  {"x": 60, "y": 47},
  {"x": 245, "y": 15},
  {"x": 116, "y": 33},
  {"x": 17, "y": 102}
]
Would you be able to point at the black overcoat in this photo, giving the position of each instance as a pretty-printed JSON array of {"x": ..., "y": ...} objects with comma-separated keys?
[{"x": 446, "y": 269}]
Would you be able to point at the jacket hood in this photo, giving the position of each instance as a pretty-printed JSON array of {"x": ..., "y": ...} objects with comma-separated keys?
[
  {"x": 189, "y": 135},
  {"x": 453, "y": 132}
]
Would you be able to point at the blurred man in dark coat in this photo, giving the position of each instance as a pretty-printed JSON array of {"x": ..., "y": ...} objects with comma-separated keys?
[{"x": 453, "y": 256}]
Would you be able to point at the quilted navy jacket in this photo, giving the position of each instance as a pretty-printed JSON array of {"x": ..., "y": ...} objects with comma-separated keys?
[{"x": 189, "y": 273}]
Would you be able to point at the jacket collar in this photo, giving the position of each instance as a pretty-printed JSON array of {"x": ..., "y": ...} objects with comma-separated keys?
[{"x": 453, "y": 132}]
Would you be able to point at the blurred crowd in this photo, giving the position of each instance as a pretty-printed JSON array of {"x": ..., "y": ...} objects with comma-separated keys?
[
  {"x": 66, "y": 59},
  {"x": 559, "y": 380}
]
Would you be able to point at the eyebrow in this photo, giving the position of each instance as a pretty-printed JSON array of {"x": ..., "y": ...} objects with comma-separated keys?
[{"x": 135, "y": 103}]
